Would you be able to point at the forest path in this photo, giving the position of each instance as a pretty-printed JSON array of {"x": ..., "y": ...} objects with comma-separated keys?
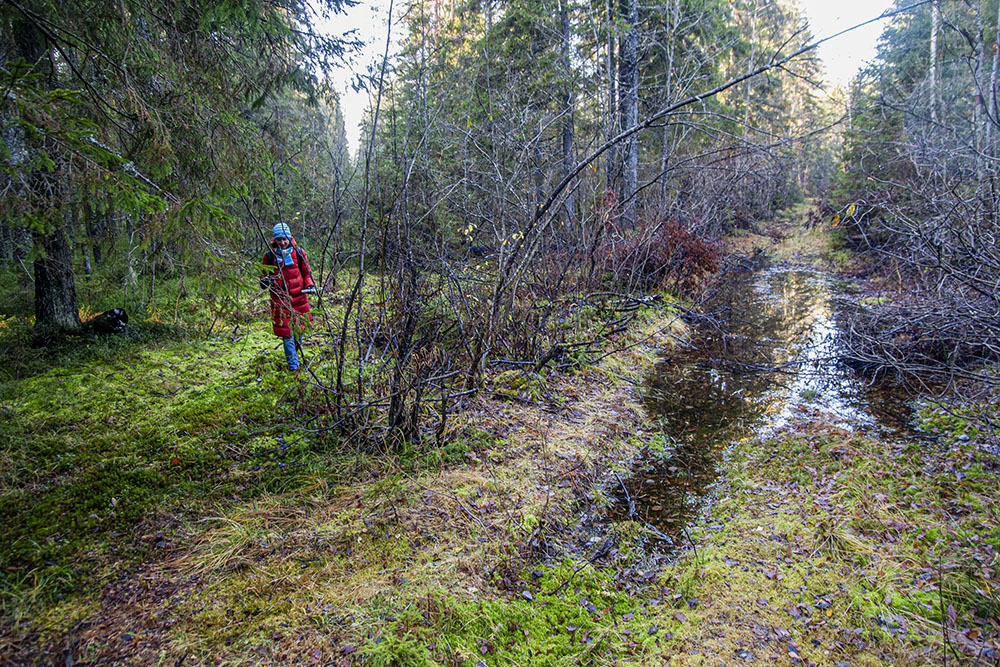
[
  {"x": 829, "y": 538},
  {"x": 764, "y": 355}
]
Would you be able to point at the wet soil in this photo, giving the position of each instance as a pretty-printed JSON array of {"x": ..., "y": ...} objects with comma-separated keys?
[{"x": 765, "y": 352}]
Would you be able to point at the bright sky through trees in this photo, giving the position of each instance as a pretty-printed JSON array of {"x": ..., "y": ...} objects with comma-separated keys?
[
  {"x": 370, "y": 21},
  {"x": 842, "y": 57}
]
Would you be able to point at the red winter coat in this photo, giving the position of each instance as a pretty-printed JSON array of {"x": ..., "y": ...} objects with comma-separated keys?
[{"x": 286, "y": 285}]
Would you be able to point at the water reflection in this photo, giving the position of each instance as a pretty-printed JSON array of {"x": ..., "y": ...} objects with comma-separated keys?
[{"x": 766, "y": 355}]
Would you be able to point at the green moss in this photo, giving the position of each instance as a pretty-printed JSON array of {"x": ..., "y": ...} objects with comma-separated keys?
[
  {"x": 841, "y": 259},
  {"x": 872, "y": 300},
  {"x": 105, "y": 436},
  {"x": 658, "y": 444},
  {"x": 519, "y": 385},
  {"x": 566, "y": 614},
  {"x": 953, "y": 423},
  {"x": 880, "y": 528},
  {"x": 412, "y": 456}
]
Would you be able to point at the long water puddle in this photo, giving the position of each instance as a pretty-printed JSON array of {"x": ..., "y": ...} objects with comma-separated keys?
[{"x": 765, "y": 355}]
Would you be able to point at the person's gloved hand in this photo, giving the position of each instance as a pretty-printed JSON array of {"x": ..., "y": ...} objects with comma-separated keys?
[
  {"x": 265, "y": 283},
  {"x": 309, "y": 290}
]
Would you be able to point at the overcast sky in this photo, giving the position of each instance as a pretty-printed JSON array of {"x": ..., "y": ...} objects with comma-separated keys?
[{"x": 842, "y": 57}]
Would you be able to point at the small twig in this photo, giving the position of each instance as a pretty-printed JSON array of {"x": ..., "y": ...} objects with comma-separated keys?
[
  {"x": 661, "y": 330},
  {"x": 944, "y": 617},
  {"x": 657, "y": 534},
  {"x": 693, "y": 545},
  {"x": 460, "y": 504},
  {"x": 31, "y": 277},
  {"x": 631, "y": 503},
  {"x": 986, "y": 618}
]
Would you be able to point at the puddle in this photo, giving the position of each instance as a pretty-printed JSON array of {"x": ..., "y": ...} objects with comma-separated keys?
[{"x": 766, "y": 356}]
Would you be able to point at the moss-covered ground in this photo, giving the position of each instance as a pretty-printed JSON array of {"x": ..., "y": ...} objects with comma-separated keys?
[
  {"x": 833, "y": 548},
  {"x": 164, "y": 496},
  {"x": 108, "y": 448},
  {"x": 165, "y": 502}
]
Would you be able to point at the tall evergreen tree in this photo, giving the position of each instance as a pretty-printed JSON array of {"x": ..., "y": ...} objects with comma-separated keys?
[{"x": 153, "y": 111}]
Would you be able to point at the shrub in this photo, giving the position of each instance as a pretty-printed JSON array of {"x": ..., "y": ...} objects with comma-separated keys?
[{"x": 667, "y": 255}]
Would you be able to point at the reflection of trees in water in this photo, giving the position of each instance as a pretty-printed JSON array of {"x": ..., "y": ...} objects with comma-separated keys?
[
  {"x": 888, "y": 401},
  {"x": 707, "y": 397},
  {"x": 765, "y": 338},
  {"x": 742, "y": 337}
]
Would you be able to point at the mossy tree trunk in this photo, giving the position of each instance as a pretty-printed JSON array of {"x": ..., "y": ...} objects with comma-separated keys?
[
  {"x": 56, "y": 308},
  {"x": 55, "y": 290}
]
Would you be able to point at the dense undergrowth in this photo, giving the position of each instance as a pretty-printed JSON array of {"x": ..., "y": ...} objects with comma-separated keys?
[
  {"x": 114, "y": 448},
  {"x": 169, "y": 494}
]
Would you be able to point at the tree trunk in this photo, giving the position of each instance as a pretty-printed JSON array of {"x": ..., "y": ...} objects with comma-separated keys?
[
  {"x": 95, "y": 225},
  {"x": 404, "y": 347},
  {"x": 935, "y": 20},
  {"x": 6, "y": 243},
  {"x": 753, "y": 57},
  {"x": 991, "y": 115},
  {"x": 978, "y": 115},
  {"x": 567, "y": 127},
  {"x": 668, "y": 57},
  {"x": 12, "y": 242},
  {"x": 612, "y": 165},
  {"x": 55, "y": 291},
  {"x": 628, "y": 90}
]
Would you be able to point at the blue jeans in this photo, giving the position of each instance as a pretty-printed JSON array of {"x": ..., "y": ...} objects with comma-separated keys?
[{"x": 290, "y": 356}]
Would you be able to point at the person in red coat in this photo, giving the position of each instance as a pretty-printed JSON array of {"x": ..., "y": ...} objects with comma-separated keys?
[{"x": 289, "y": 279}]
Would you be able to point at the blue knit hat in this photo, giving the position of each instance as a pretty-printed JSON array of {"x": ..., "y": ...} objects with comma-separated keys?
[{"x": 281, "y": 231}]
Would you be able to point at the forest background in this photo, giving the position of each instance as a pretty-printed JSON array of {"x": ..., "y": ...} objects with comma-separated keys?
[
  {"x": 526, "y": 168},
  {"x": 576, "y": 146}
]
